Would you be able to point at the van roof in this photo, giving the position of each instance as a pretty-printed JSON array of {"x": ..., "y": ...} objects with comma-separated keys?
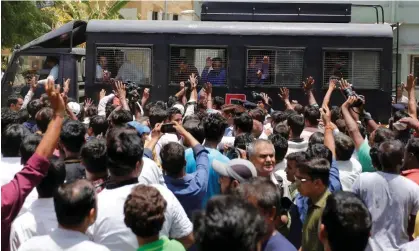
[{"x": 240, "y": 28}]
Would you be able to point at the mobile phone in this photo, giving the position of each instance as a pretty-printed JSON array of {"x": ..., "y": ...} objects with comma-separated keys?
[{"x": 168, "y": 128}]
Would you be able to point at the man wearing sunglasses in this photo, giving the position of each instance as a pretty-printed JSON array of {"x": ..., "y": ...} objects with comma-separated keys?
[{"x": 312, "y": 179}]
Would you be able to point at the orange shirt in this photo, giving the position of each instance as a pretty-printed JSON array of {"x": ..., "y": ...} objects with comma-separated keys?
[{"x": 412, "y": 174}]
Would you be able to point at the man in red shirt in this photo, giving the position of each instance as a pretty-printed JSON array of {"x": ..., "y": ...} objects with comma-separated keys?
[
  {"x": 411, "y": 160},
  {"x": 15, "y": 192}
]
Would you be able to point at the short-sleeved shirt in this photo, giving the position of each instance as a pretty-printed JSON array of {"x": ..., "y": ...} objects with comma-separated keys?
[
  {"x": 213, "y": 185},
  {"x": 364, "y": 157},
  {"x": 310, "y": 240},
  {"x": 412, "y": 174},
  {"x": 278, "y": 242},
  {"x": 163, "y": 244},
  {"x": 391, "y": 199}
]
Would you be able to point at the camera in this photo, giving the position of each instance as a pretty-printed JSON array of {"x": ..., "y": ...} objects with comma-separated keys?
[
  {"x": 133, "y": 91},
  {"x": 233, "y": 153},
  {"x": 348, "y": 92},
  {"x": 257, "y": 96}
]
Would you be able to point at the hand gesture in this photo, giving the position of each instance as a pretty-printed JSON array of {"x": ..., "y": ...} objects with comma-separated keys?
[
  {"x": 284, "y": 94},
  {"x": 57, "y": 101},
  {"x": 194, "y": 81},
  {"x": 344, "y": 84},
  {"x": 156, "y": 132},
  {"x": 120, "y": 89},
  {"x": 146, "y": 94},
  {"x": 208, "y": 88},
  {"x": 326, "y": 115},
  {"x": 349, "y": 102},
  {"x": 66, "y": 85},
  {"x": 411, "y": 82},
  {"x": 265, "y": 97},
  {"x": 410, "y": 122},
  {"x": 87, "y": 103},
  {"x": 332, "y": 84},
  {"x": 33, "y": 83},
  {"x": 102, "y": 94},
  {"x": 179, "y": 128},
  {"x": 308, "y": 84},
  {"x": 182, "y": 85}
]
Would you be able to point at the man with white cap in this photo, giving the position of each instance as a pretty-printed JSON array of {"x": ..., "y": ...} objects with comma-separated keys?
[{"x": 233, "y": 173}]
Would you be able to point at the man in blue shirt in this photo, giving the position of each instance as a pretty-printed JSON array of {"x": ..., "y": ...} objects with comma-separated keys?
[
  {"x": 214, "y": 127},
  {"x": 217, "y": 76},
  {"x": 190, "y": 188}
]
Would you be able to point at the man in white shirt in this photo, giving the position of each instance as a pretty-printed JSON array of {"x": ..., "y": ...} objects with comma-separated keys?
[
  {"x": 52, "y": 63},
  {"x": 75, "y": 208},
  {"x": 349, "y": 167},
  {"x": 295, "y": 142},
  {"x": 392, "y": 199},
  {"x": 40, "y": 218},
  {"x": 127, "y": 70},
  {"x": 125, "y": 162}
]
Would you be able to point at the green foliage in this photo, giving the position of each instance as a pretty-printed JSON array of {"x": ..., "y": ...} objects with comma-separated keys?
[{"x": 21, "y": 22}]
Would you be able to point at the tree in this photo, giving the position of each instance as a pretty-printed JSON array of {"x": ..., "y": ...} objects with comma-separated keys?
[
  {"x": 65, "y": 11},
  {"x": 21, "y": 22}
]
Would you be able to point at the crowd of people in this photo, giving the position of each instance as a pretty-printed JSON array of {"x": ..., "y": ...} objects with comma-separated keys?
[{"x": 194, "y": 173}]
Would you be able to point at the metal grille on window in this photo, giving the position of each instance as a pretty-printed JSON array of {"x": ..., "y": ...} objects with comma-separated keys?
[
  {"x": 208, "y": 64},
  {"x": 128, "y": 64},
  {"x": 360, "y": 68},
  {"x": 277, "y": 67}
]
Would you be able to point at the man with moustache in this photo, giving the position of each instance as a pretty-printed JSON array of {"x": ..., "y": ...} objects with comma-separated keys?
[{"x": 262, "y": 155}]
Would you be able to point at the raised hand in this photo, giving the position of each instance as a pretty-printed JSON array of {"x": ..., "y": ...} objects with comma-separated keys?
[
  {"x": 344, "y": 84},
  {"x": 120, "y": 89},
  {"x": 350, "y": 101},
  {"x": 194, "y": 81},
  {"x": 332, "y": 84},
  {"x": 411, "y": 82},
  {"x": 326, "y": 115},
  {"x": 308, "y": 84},
  {"x": 56, "y": 99},
  {"x": 66, "y": 85},
  {"x": 284, "y": 94},
  {"x": 33, "y": 83},
  {"x": 87, "y": 103},
  {"x": 146, "y": 94},
  {"x": 208, "y": 88},
  {"x": 182, "y": 85}
]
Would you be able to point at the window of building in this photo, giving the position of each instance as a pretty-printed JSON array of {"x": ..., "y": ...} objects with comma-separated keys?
[
  {"x": 124, "y": 63},
  {"x": 415, "y": 66},
  {"x": 209, "y": 64},
  {"x": 278, "y": 66},
  {"x": 360, "y": 68},
  {"x": 155, "y": 15}
]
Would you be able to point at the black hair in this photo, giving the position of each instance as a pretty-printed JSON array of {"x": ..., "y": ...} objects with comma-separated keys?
[
  {"x": 172, "y": 158},
  {"x": 218, "y": 102},
  {"x": 43, "y": 117},
  {"x": 244, "y": 122},
  {"x": 94, "y": 156},
  {"x": 171, "y": 112},
  {"x": 13, "y": 99},
  {"x": 382, "y": 134},
  {"x": 299, "y": 109},
  {"x": 54, "y": 178},
  {"x": 282, "y": 130},
  {"x": 335, "y": 113},
  {"x": 121, "y": 117},
  {"x": 144, "y": 211},
  {"x": 73, "y": 202},
  {"x": 264, "y": 191},
  {"x": 196, "y": 128},
  {"x": 286, "y": 114},
  {"x": 91, "y": 111},
  {"x": 34, "y": 106},
  {"x": 413, "y": 147},
  {"x": 316, "y": 168},
  {"x": 347, "y": 222},
  {"x": 157, "y": 115},
  {"x": 217, "y": 59},
  {"x": 11, "y": 139},
  {"x": 320, "y": 151},
  {"x": 28, "y": 147},
  {"x": 161, "y": 104},
  {"x": 316, "y": 138},
  {"x": 99, "y": 125},
  {"x": 172, "y": 101},
  {"x": 280, "y": 145},
  {"x": 109, "y": 109},
  {"x": 296, "y": 124},
  {"x": 242, "y": 141},
  {"x": 298, "y": 157},
  {"x": 312, "y": 114},
  {"x": 214, "y": 127},
  {"x": 391, "y": 154},
  {"x": 229, "y": 223},
  {"x": 72, "y": 135},
  {"x": 345, "y": 147},
  {"x": 257, "y": 114},
  {"x": 125, "y": 149},
  {"x": 276, "y": 116},
  {"x": 23, "y": 115},
  {"x": 8, "y": 117},
  {"x": 341, "y": 124}
]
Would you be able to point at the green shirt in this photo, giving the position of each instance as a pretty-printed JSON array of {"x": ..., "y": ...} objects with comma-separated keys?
[
  {"x": 162, "y": 244},
  {"x": 310, "y": 240},
  {"x": 365, "y": 158}
]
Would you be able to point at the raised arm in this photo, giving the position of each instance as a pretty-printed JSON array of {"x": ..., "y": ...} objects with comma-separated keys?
[
  {"x": 284, "y": 94},
  {"x": 155, "y": 136},
  {"x": 329, "y": 139},
  {"x": 351, "y": 124},
  {"x": 208, "y": 90},
  {"x": 30, "y": 93},
  {"x": 103, "y": 101},
  {"x": 308, "y": 88},
  {"x": 122, "y": 94},
  {"x": 326, "y": 99},
  {"x": 410, "y": 87}
]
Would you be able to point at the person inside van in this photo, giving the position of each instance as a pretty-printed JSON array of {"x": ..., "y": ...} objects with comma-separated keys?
[
  {"x": 52, "y": 64},
  {"x": 102, "y": 67},
  {"x": 183, "y": 71},
  {"x": 127, "y": 71},
  {"x": 218, "y": 74}
]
